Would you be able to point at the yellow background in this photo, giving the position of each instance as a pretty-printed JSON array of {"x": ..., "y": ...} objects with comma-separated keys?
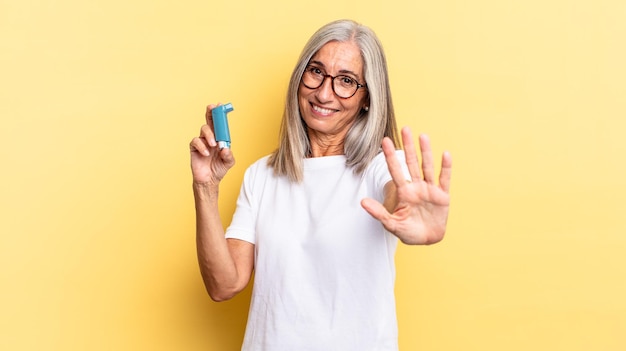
[{"x": 99, "y": 100}]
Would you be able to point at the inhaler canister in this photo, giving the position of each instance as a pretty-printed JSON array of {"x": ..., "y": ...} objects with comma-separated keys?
[{"x": 220, "y": 125}]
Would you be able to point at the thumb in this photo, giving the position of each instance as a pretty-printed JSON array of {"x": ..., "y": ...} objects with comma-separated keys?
[{"x": 375, "y": 209}]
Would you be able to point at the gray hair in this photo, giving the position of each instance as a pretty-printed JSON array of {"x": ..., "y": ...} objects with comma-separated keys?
[{"x": 363, "y": 140}]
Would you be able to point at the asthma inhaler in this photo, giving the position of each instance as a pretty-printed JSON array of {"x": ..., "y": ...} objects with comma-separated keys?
[{"x": 220, "y": 125}]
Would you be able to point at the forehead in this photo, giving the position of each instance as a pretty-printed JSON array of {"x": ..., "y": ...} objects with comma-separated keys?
[{"x": 340, "y": 57}]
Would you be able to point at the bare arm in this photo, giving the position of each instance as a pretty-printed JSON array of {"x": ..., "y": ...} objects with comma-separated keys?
[{"x": 226, "y": 265}]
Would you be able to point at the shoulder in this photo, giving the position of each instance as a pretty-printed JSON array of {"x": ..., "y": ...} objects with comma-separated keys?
[
  {"x": 378, "y": 170},
  {"x": 260, "y": 164},
  {"x": 379, "y": 163},
  {"x": 258, "y": 170}
]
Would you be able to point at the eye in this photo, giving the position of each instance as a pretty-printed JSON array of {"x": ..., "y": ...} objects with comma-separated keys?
[
  {"x": 315, "y": 71},
  {"x": 346, "y": 81}
]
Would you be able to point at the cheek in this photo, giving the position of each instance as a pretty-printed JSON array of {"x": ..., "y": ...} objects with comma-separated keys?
[
  {"x": 302, "y": 101},
  {"x": 354, "y": 106},
  {"x": 360, "y": 103},
  {"x": 302, "y": 96},
  {"x": 363, "y": 99}
]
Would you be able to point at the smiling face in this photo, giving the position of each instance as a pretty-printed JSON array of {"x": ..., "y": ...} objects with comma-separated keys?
[{"x": 328, "y": 116}]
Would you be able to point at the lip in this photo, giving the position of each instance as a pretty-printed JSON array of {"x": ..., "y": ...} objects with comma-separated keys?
[{"x": 322, "y": 111}]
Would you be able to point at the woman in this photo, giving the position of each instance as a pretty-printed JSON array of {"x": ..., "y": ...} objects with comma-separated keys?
[{"x": 319, "y": 219}]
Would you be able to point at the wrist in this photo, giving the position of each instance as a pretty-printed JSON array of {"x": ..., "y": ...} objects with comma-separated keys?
[{"x": 206, "y": 189}]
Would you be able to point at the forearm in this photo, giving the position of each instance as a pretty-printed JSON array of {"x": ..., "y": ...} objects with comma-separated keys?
[{"x": 217, "y": 266}]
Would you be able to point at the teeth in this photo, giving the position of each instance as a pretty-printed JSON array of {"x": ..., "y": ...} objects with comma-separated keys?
[{"x": 322, "y": 110}]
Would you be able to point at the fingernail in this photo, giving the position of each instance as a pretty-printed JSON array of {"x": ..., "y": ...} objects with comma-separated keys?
[{"x": 206, "y": 153}]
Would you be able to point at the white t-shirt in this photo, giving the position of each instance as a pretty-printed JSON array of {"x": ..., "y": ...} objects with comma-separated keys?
[{"x": 324, "y": 268}]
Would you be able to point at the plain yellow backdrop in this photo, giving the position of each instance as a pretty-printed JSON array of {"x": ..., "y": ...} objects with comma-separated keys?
[{"x": 99, "y": 100}]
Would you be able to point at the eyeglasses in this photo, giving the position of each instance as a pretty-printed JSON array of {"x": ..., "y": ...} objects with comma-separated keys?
[{"x": 343, "y": 86}]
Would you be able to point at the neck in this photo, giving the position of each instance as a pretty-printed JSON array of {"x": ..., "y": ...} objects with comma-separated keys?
[{"x": 326, "y": 145}]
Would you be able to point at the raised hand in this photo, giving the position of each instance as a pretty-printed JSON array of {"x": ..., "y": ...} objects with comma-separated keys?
[
  {"x": 209, "y": 164},
  {"x": 415, "y": 210}
]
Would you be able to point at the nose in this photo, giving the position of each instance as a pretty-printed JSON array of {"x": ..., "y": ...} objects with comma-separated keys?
[{"x": 325, "y": 91}]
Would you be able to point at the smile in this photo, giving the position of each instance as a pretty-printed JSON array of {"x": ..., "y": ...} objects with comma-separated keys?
[{"x": 321, "y": 110}]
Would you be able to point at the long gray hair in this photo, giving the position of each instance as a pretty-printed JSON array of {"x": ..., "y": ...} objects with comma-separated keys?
[{"x": 363, "y": 140}]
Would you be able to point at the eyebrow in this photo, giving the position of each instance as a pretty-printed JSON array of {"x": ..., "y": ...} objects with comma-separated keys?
[{"x": 343, "y": 71}]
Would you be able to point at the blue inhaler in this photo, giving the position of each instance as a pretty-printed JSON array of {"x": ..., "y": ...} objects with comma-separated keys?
[{"x": 220, "y": 125}]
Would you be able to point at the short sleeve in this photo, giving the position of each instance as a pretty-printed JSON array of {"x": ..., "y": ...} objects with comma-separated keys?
[
  {"x": 380, "y": 172},
  {"x": 242, "y": 226}
]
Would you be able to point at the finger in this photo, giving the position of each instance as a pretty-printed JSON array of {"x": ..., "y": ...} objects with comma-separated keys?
[
  {"x": 428, "y": 168},
  {"x": 199, "y": 144},
  {"x": 206, "y": 132},
  {"x": 410, "y": 155},
  {"x": 208, "y": 115},
  {"x": 227, "y": 156},
  {"x": 446, "y": 172},
  {"x": 375, "y": 209},
  {"x": 395, "y": 170}
]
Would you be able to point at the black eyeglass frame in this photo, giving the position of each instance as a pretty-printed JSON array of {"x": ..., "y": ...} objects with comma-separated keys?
[{"x": 332, "y": 82}]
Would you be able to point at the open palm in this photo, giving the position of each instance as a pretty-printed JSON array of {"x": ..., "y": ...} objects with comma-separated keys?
[{"x": 415, "y": 210}]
